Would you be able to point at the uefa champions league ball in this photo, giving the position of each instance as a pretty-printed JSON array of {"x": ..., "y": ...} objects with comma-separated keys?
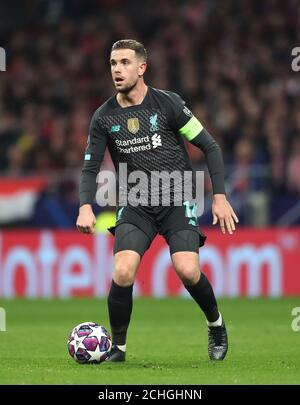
[{"x": 89, "y": 343}]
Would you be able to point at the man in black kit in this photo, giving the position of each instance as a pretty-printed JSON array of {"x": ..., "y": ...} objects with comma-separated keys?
[{"x": 144, "y": 128}]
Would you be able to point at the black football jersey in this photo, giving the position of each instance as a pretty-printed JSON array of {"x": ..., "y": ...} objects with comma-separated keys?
[{"x": 146, "y": 144}]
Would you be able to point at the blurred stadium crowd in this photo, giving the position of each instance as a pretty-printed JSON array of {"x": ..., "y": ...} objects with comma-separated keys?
[{"x": 230, "y": 61}]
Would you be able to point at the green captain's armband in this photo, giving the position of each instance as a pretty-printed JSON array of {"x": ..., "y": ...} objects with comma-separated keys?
[{"x": 191, "y": 129}]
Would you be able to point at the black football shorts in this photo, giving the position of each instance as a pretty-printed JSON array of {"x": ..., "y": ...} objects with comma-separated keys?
[{"x": 136, "y": 227}]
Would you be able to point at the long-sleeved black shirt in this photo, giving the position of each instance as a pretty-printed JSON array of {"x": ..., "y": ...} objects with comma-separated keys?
[{"x": 149, "y": 138}]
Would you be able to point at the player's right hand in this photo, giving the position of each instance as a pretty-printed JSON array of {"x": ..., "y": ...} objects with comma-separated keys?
[{"x": 86, "y": 220}]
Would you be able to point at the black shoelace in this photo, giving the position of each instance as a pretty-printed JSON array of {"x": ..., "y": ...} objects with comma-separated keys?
[{"x": 218, "y": 335}]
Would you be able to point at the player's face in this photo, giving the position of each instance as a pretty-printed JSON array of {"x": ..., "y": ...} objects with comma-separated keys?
[{"x": 126, "y": 69}]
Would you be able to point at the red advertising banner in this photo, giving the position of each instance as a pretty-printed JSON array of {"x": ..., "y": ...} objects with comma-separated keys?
[{"x": 62, "y": 264}]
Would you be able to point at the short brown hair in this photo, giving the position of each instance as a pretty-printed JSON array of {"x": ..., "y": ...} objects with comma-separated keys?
[{"x": 136, "y": 46}]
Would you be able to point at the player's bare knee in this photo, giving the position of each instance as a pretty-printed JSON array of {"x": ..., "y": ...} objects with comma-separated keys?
[
  {"x": 123, "y": 276},
  {"x": 125, "y": 268},
  {"x": 124, "y": 272},
  {"x": 189, "y": 274}
]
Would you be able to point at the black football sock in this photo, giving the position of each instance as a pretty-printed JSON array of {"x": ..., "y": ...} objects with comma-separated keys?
[
  {"x": 119, "y": 309},
  {"x": 203, "y": 294}
]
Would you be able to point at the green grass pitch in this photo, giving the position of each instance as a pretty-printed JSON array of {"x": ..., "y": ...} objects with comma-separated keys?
[{"x": 167, "y": 343}]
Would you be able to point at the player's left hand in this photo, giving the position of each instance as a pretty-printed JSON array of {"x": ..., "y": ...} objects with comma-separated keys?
[{"x": 223, "y": 212}]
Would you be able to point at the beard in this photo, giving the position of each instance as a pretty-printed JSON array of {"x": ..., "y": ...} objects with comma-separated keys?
[{"x": 127, "y": 88}]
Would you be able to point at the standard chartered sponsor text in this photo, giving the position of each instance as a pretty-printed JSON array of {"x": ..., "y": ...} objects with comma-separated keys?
[{"x": 131, "y": 145}]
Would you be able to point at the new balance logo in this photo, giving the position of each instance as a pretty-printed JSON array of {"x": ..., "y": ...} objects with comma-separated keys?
[
  {"x": 156, "y": 141},
  {"x": 115, "y": 128}
]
